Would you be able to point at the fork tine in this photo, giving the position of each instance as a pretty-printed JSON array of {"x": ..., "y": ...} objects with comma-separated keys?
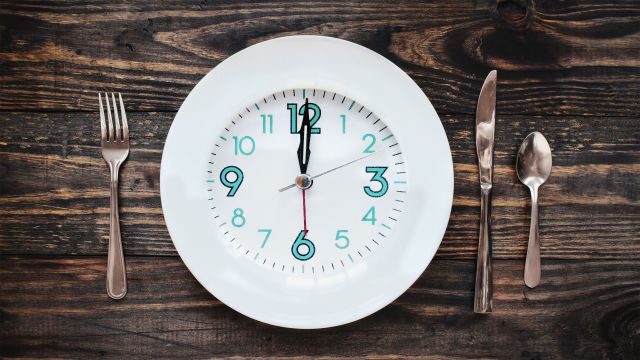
[
  {"x": 118, "y": 135},
  {"x": 125, "y": 125},
  {"x": 110, "y": 124},
  {"x": 103, "y": 124}
]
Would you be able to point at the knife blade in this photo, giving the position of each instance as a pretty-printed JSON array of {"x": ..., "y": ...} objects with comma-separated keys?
[{"x": 485, "y": 129}]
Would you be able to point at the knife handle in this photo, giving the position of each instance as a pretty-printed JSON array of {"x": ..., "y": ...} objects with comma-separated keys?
[{"x": 484, "y": 283}]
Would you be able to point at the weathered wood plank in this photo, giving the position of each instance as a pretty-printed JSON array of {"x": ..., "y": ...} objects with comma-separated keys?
[
  {"x": 58, "y": 308},
  {"x": 553, "y": 57},
  {"x": 575, "y": 139},
  {"x": 52, "y": 175}
]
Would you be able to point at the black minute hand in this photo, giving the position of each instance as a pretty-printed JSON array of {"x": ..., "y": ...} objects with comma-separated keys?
[{"x": 305, "y": 139}]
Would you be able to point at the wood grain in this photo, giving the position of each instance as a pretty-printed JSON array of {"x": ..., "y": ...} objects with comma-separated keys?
[
  {"x": 569, "y": 69},
  {"x": 570, "y": 58},
  {"x": 53, "y": 176},
  {"x": 58, "y": 308}
]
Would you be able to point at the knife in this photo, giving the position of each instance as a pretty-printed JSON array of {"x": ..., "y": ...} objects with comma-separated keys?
[{"x": 485, "y": 126}]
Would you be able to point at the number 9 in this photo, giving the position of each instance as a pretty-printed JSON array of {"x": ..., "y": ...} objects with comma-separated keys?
[{"x": 234, "y": 184}]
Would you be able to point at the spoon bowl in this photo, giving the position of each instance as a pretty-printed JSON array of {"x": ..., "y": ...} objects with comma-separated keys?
[
  {"x": 533, "y": 166},
  {"x": 534, "y": 160}
]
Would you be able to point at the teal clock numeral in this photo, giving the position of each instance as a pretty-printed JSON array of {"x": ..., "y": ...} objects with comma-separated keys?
[
  {"x": 294, "y": 112},
  {"x": 266, "y": 236},
  {"x": 307, "y": 246},
  {"x": 344, "y": 123},
  {"x": 369, "y": 148},
  {"x": 343, "y": 238},
  {"x": 238, "y": 219},
  {"x": 244, "y": 145},
  {"x": 267, "y": 123},
  {"x": 234, "y": 184},
  {"x": 370, "y": 215},
  {"x": 377, "y": 172}
]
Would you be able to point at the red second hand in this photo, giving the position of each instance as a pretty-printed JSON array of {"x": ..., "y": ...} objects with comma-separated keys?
[{"x": 304, "y": 210}]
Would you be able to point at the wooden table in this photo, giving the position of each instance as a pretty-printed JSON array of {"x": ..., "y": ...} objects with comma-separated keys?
[{"x": 568, "y": 69}]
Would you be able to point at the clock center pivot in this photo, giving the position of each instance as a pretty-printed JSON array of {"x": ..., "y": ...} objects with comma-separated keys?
[{"x": 303, "y": 181}]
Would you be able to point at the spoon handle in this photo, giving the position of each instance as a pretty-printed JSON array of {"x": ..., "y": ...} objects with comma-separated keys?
[
  {"x": 532, "y": 264},
  {"x": 484, "y": 288}
]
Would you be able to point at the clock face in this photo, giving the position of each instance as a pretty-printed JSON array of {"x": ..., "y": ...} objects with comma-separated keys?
[{"x": 351, "y": 181}]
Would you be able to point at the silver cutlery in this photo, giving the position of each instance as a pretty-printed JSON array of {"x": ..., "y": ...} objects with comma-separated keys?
[
  {"x": 485, "y": 128},
  {"x": 534, "y": 167},
  {"x": 115, "y": 149}
]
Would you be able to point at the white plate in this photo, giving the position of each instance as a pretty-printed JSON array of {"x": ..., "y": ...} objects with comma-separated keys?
[{"x": 306, "y": 62}]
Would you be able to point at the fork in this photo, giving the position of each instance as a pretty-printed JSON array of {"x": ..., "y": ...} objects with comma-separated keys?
[{"x": 115, "y": 149}]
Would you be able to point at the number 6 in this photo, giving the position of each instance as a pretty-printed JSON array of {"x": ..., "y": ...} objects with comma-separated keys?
[{"x": 301, "y": 241}]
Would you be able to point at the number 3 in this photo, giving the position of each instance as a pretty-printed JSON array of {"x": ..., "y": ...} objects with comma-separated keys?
[{"x": 377, "y": 172}]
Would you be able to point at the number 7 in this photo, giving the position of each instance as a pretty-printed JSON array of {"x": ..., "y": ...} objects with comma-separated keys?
[{"x": 266, "y": 237}]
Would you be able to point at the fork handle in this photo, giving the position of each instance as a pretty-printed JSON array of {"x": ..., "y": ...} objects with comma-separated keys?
[
  {"x": 484, "y": 288},
  {"x": 116, "y": 273}
]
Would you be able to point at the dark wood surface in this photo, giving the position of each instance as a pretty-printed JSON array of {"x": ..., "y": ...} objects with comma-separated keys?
[
  {"x": 584, "y": 309},
  {"x": 568, "y": 69}
]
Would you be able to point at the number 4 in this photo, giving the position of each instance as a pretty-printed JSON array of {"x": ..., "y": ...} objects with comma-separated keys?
[{"x": 370, "y": 215}]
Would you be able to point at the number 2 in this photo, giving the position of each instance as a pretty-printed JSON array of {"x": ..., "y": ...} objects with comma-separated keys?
[{"x": 369, "y": 148}]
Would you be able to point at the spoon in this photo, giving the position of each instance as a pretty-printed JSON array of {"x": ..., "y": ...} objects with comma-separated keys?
[{"x": 533, "y": 166}]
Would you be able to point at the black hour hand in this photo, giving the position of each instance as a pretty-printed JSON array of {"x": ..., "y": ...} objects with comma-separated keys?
[{"x": 305, "y": 139}]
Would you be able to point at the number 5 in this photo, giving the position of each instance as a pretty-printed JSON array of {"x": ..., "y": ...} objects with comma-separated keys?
[{"x": 339, "y": 237}]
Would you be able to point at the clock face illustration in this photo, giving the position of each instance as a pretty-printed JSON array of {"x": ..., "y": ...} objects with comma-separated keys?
[
  {"x": 336, "y": 211},
  {"x": 306, "y": 191}
]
